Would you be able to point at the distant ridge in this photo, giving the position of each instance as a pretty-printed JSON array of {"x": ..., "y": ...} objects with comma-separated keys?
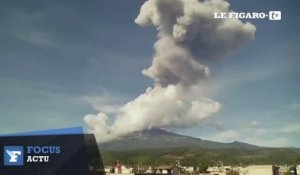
[{"x": 156, "y": 138}]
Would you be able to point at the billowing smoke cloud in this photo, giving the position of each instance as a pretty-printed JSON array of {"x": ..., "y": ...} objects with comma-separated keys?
[{"x": 188, "y": 37}]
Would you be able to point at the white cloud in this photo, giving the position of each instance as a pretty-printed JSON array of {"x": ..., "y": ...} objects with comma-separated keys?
[
  {"x": 270, "y": 137},
  {"x": 227, "y": 136},
  {"x": 254, "y": 124},
  {"x": 269, "y": 142},
  {"x": 188, "y": 35},
  {"x": 157, "y": 107},
  {"x": 105, "y": 102},
  {"x": 292, "y": 128},
  {"x": 99, "y": 125}
]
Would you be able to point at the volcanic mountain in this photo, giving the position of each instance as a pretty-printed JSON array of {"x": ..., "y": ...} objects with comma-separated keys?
[{"x": 156, "y": 138}]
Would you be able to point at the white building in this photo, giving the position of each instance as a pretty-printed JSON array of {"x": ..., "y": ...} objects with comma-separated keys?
[
  {"x": 216, "y": 170},
  {"x": 126, "y": 170},
  {"x": 260, "y": 170},
  {"x": 189, "y": 169}
]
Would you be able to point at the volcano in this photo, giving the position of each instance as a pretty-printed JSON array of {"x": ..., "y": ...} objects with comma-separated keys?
[{"x": 157, "y": 138}]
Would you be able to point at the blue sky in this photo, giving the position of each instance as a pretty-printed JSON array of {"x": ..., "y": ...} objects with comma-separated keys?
[{"x": 60, "y": 60}]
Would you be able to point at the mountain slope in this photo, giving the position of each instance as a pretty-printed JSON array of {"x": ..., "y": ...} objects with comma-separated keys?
[
  {"x": 156, "y": 138},
  {"x": 199, "y": 156}
]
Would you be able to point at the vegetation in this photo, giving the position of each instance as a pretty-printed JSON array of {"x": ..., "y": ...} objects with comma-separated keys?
[
  {"x": 203, "y": 157},
  {"x": 232, "y": 172},
  {"x": 203, "y": 167},
  {"x": 298, "y": 160}
]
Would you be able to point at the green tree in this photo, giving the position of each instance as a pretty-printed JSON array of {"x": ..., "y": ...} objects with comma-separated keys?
[
  {"x": 232, "y": 172},
  {"x": 203, "y": 167},
  {"x": 298, "y": 161}
]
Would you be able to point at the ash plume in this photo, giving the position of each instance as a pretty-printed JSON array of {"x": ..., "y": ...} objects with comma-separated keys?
[{"x": 188, "y": 37}]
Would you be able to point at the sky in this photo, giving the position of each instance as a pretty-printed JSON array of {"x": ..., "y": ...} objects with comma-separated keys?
[{"x": 61, "y": 60}]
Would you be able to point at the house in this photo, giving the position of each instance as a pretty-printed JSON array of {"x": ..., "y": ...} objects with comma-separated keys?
[
  {"x": 293, "y": 170},
  {"x": 171, "y": 170},
  {"x": 118, "y": 168}
]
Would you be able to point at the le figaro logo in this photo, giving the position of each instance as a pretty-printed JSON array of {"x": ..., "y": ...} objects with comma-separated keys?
[
  {"x": 17, "y": 155},
  {"x": 272, "y": 15}
]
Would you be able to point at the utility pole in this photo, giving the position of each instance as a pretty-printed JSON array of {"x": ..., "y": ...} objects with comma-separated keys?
[{"x": 178, "y": 164}]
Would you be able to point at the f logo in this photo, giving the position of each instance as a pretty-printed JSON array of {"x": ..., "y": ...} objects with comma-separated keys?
[{"x": 13, "y": 156}]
